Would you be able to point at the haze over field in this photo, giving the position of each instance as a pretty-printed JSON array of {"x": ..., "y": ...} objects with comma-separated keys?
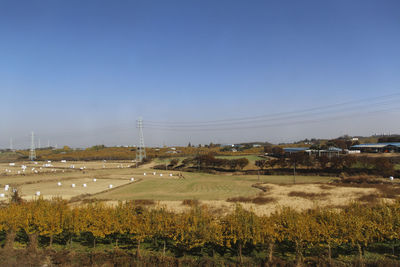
[{"x": 80, "y": 73}]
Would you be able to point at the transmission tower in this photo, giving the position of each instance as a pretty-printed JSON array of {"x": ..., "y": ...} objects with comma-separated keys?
[
  {"x": 32, "y": 153},
  {"x": 140, "y": 151},
  {"x": 39, "y": 144},
  {"x": 11, "y": 144}
]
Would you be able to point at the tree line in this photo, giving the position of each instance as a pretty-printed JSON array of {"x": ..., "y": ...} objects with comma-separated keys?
[
  {"x": 381, "y": 165},
  {"x": 200, "y": 231},
  {"x": 210, "y": 161}
]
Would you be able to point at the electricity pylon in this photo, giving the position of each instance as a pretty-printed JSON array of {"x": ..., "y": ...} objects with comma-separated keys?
[
  {"x": 32, "y": 153},
  {"x": 140, "y": 150}
]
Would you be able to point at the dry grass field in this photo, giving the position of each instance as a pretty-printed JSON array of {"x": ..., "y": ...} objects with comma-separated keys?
[
  {"x": 45, "y": 178},
  {"x": 297, "y": 196},
  {"x": 170, "y": 188}
]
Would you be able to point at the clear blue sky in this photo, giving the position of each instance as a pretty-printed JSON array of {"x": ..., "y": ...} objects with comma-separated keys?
[{"x": 81, "y": 72}]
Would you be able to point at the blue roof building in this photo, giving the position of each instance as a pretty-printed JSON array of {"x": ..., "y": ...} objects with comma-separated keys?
[
  {"x": 295, "y": 149},
  {"x": 378, "y": 147}
]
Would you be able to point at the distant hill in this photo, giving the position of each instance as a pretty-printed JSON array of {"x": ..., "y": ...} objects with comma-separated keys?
[
  {"x": 389, "y": 139},
  {"x": 9, "y": 156}
]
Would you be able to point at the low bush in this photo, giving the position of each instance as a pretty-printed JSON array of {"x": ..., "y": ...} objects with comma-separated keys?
[
  {"x": 190, "y": 202},
  {"x": 256, "y": 200},
  {"x": 306, "y": 195},
  {"x": 143, "y": 202}
]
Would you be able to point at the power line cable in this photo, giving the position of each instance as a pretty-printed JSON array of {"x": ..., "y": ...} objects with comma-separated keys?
[
  {"x": 391, "y": 96},
  {"x": 293, "y": 116},
  {"x": 274, "y": 125}
]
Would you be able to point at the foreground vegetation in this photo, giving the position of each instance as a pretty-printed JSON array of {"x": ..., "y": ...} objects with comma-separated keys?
[{"x": 322, "y": 236}]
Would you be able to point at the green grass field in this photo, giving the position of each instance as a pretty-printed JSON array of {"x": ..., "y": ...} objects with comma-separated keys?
[{"x": 199, "y": 186}]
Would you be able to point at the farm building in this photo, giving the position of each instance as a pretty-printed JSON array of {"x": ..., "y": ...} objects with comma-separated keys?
[
  {"x": 331, "y": 151},
  {"x": 290, "y": 150},
  {"x": 378, "y": 148}
]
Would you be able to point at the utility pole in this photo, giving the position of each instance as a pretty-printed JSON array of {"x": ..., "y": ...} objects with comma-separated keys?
[
  {"x": 140, "y": 150},
  {"x": 32, "y": 153}
]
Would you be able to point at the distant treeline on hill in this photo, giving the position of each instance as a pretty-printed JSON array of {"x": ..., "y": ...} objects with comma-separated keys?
[
  {"x": 280, "y": 163},
  {"x": 101, "y": 152},
  {"x": 389, "y": 139}
]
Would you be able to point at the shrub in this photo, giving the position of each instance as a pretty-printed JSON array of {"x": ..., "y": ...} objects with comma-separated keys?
[
  {"x": 190, "y": 202},
  {"x": 256, "y": 200},
  {"x": 307, "y": 195}
]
